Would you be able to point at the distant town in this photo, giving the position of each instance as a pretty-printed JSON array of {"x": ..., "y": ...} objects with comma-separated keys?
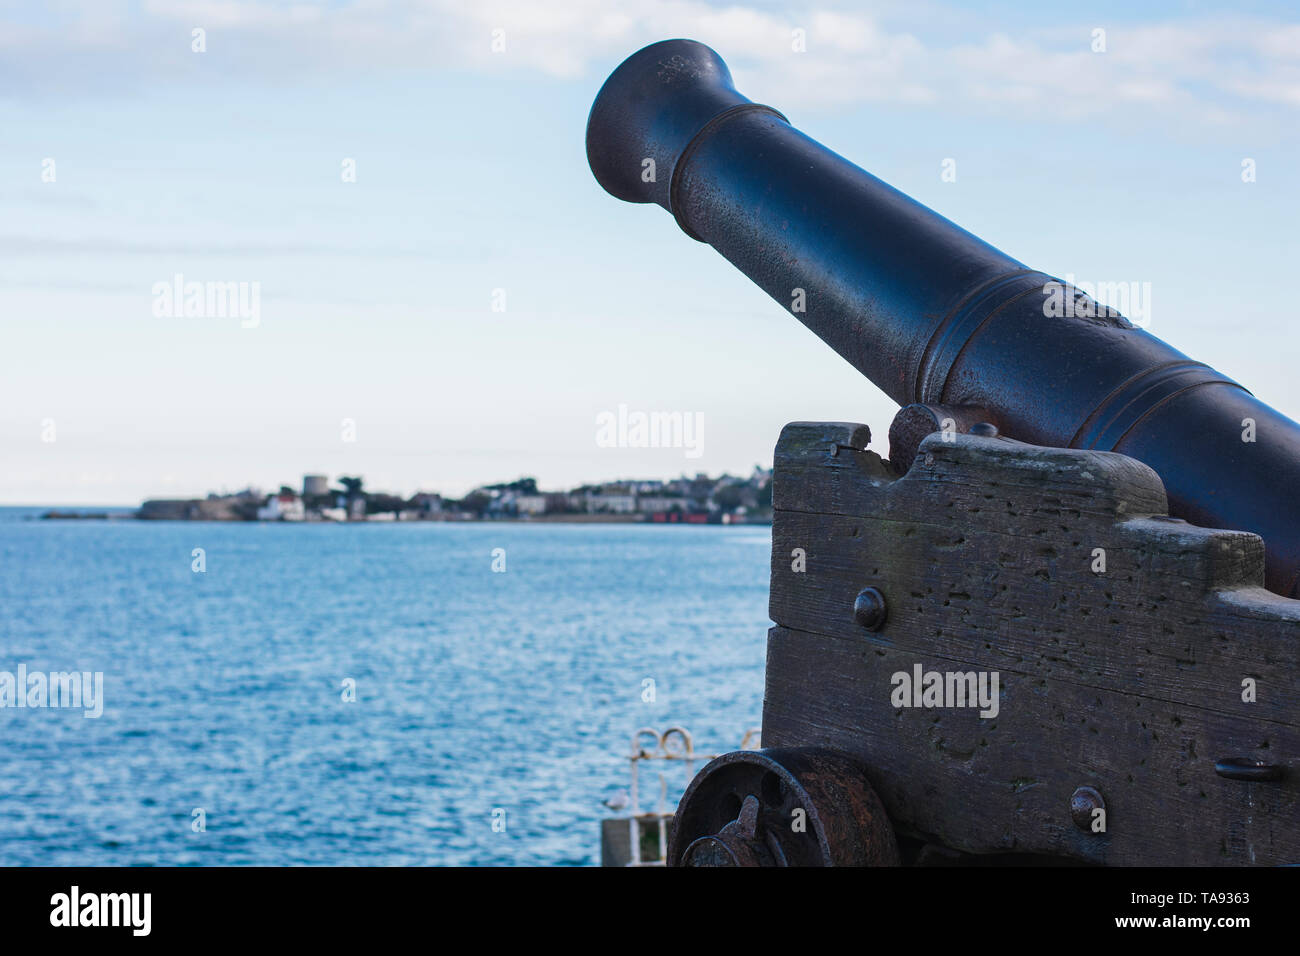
[{"x": 700, "y": 500}]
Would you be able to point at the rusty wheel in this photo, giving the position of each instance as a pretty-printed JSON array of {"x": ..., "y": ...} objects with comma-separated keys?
[{"x": 782, "y": 807}]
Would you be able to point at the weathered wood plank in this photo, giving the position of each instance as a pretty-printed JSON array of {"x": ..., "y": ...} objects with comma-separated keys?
[
  {"x": 1150, "y": 625},
  {"x": 1004, "y": 784}
]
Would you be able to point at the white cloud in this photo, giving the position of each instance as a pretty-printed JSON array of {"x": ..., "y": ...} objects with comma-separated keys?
[{"x": 1203, "y": 67}]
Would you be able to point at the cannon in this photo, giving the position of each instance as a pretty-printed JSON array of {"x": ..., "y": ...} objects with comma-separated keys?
[{"x": 1059, "y": 623}]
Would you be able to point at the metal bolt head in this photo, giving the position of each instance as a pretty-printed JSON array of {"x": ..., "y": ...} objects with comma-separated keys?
[
  {"x": 736, "y": 844},
  {"x": 1082, "y": 802},
  {"x": 869, "y": 609},
  {"x": 984, "y": 430}
]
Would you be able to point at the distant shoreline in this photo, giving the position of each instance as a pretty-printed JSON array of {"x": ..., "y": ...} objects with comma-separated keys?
[{"x": 637, "y": 519}]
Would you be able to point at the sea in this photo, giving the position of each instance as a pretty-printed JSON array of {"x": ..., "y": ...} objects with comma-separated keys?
[{"x": 415, "y": 693}]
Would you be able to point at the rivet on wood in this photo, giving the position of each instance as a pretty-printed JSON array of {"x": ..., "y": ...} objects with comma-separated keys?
[
  {"x": 869, "y": 609},
  {"x": 1082, "y": 804}
]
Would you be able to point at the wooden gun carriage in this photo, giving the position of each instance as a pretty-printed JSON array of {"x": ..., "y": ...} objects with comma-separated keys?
[
  {"x": 1059, "y": 623},
  {"x": 1144, "y": 671}
]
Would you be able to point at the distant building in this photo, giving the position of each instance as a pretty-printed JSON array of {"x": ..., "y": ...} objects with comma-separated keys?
[
  {"x": 285, "y": 506},
  {"x": 655, "y": 503},
  {"x": 559, "y": 502},
  {"x": 315, "y": 485},
  {"x": 531, "y": 504},
  {"x": 611, "y": 502},
  {"x": 428, "y": 504}
]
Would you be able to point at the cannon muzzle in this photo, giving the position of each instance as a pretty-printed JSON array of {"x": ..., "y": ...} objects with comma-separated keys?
[{"x": 932, "y": 314}]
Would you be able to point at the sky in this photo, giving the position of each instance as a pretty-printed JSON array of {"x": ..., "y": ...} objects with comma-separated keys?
[{"x": 465, "y": 307}]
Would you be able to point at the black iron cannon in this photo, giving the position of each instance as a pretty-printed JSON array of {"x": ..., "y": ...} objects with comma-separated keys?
[
  {"x": 931, "y": 314},
  {"x": 1101, "y": 527}
]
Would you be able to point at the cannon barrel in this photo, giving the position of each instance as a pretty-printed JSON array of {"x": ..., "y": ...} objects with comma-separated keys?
[{"x": 930, "y": 313}]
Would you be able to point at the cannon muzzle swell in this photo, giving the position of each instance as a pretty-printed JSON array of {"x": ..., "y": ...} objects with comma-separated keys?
[{"x": 930, "y": 313}]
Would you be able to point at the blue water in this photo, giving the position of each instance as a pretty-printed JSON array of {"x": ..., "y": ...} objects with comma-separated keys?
[{"x": 476, "y": 690}]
